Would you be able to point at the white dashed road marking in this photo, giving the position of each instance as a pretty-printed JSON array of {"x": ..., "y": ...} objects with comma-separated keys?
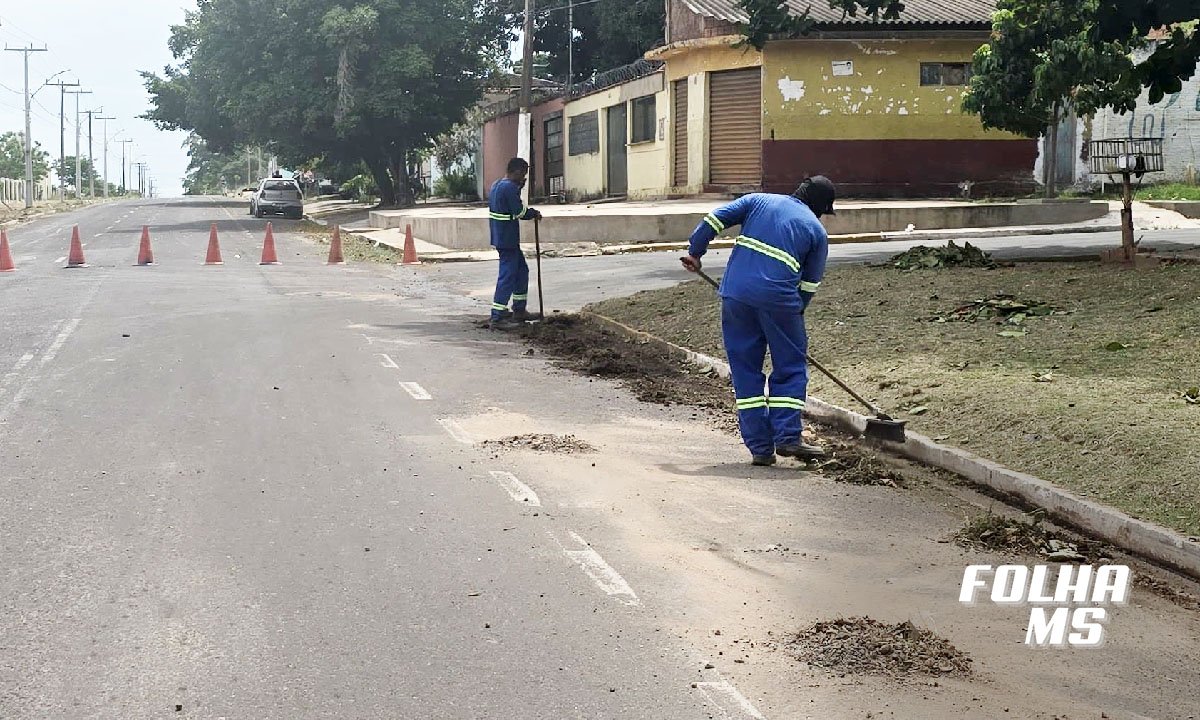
[
  {"x": 47, "y": 358},
  {"x": 416, "y": 391},
  {"x": 61, "y": 260},
  {"x": 456, "y": 431},
  {"x": 387, "y": 361},
  {"x": 601, "y": 573},
  {"x": 731, "y": 702},
  {"x": 519, "y": 491}
]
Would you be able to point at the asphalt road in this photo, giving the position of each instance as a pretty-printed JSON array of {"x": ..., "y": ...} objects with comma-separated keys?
[{"x": 259, "y": 492}]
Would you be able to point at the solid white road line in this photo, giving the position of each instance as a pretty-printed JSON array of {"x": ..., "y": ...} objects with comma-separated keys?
[
  {"x": 416, "y": 391},
  {"x": 601, "y": 573},
  {"x": 456, "y": 431},
  {"x": 731, "y": 702},
  {"x": 387, "y": 361},
  {"x": 519, "y": 491},
  {"x": 47, "y": 357}
]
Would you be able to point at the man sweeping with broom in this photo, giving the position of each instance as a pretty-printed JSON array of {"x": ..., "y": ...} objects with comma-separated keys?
[{"x": 774, "y": 271}]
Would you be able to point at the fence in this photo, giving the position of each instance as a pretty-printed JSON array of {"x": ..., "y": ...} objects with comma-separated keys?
[{"x": 13, "y": 191}]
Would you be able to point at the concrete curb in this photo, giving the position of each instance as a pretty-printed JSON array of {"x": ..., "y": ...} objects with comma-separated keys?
[{"x": 1136, "y": 536}]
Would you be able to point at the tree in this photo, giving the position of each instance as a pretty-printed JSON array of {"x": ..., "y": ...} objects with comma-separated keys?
[
  {"x": 66, "y": 170},
  {"x": 345, "y": 80},
  {"x": 212, "y": 173},
  {"x": 12, "y": 158},
  {"x": 771, "y": 19},
  {"x": 607, "y": 34}
]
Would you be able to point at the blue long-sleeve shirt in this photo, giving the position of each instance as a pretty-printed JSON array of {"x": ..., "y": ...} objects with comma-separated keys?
[
  {"x": 778, "y": 261},
  {"x": 507, "y": 209}
]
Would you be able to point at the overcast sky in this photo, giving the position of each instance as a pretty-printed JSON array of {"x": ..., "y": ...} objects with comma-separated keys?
[{"x": 102, "y": 44}]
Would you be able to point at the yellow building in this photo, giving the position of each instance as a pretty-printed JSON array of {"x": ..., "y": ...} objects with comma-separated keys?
[{"x": 876, "y": 106}]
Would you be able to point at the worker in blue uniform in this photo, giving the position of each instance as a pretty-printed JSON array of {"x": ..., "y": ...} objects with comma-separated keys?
[
  {"x": 507, "y": 209},
  {"x": 773, "y": 272}
]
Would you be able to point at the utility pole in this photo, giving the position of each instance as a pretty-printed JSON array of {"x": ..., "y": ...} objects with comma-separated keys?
[
  {"x": 91, "y": 159},
  {"x": 78, "y": 128},
  {"x": 28, "y": 130},
  {"x": 124, "y": 185},
  {"x": 570, "y": 46},
  {"x": 104, "y": 135},
  {"x": 524, "y": 139},
  {"x": 141, "y": 168},
  {"x": 62, "y": 131}
]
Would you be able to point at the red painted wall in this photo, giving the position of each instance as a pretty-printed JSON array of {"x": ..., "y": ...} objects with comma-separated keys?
[{"x": 902, "y": 168}]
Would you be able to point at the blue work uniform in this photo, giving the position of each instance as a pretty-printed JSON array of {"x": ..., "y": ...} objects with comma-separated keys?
[
  {"x": 774, "y": 270},
  {"x": 506, "y": 210}
]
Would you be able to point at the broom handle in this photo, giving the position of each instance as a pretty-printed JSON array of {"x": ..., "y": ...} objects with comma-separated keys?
[
  {"x": 537, "y": 243},
  {"x": 879, "y": 413}
]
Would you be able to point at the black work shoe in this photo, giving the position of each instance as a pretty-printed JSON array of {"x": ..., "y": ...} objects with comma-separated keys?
[
  {"x": 762, "y": 460},
  {"x": 504, "y": 323},
  {"x": 524, "y": 316},
  {"x": 802, "y": 451}
]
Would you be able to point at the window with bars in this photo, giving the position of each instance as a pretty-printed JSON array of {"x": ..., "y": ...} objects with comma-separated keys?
[
  {"x": 936, "y": 73},
  {"x": 645, "y": 119},
  {"x": 583, "y": 133}
]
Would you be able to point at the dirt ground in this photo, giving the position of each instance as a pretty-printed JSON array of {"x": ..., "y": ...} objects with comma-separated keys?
[{"x": 1075, "y": 372}]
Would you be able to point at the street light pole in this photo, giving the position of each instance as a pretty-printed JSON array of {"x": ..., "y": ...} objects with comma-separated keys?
[
  {"x": 28, "y": 129},
  {"x": 104, "y": 135},
  {"x": 525, "y": 118},
  {"x": 91, "y": 158},
  {"x": 62, "y": 132},
  {"x": 78, "y": 163}
]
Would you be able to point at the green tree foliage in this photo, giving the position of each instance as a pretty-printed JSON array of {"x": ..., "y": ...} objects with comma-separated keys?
[
  {"x": 1082, "y": 53},
  {"x": 771, "y": 19},
  {"x": 608, "y": 33},
  {"x": 213, "y": 173},
  {"x": 12, "y": 158},
  {"x": 345, "y": 80},
  {"x": 66, "y": 170}
]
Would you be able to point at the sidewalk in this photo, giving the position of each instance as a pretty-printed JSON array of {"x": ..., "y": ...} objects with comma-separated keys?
[{"x": 1145, "y": 216}]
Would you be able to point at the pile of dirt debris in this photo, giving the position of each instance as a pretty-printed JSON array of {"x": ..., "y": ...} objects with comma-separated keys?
[
  {"x": 950, "y": 255},
  {"x": 586, "y": 345},
  {"x": 1022, "y": 537},
  {"x": 850, "y": 464},
  {"x": 865, "y": 646},
  {"x": 557, "y": 444}
]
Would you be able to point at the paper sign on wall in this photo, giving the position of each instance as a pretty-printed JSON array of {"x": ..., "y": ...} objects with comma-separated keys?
[{"x": 842, "y": 68}]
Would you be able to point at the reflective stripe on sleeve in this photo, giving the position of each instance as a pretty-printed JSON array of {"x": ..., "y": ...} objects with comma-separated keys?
[
  {"x": 806, "y": 286},
  {"x": 714, "y": 222},
  {"x": 769, "y": 250}
]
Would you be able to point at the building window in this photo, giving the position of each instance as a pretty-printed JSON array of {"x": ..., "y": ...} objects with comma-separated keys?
[
  {"x": 554, "y": 147},
  {"x": 584, "y": 133},
  {"x": 945, "y": 73},
  {"x": 645, "y": 118}
]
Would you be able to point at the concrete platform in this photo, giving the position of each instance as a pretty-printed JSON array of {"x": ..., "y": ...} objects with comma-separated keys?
[{"x": 633, "y": 223}]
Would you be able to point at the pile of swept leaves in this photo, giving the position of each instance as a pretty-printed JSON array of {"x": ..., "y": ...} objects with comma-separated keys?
[
  {"x": 951, "y": 255},
  {"x": 865, "y": 646},
  {"x": 1002, "y": 308}
]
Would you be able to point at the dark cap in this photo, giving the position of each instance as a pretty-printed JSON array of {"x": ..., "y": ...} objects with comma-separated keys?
[{"x": 818, "y": 193}]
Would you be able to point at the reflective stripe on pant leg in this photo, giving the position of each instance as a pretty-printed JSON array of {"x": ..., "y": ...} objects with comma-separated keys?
[
  {"x": 788, "y": 342},
  {"x": 521, "y": 284},
  {"x": 745, "y": 347},
  {"x": 504, "y": 282}
]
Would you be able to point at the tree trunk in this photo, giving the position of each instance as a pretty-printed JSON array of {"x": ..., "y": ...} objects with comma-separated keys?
[
  {"x": 404, "y": 192},
  {"x": 387, "y": 189}
]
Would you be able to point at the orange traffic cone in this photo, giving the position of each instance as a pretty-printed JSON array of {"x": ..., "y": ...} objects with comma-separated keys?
[
  {"x": 410, "y": 248},
  {"x": 145, "y": 255},
  {"x": 268, "y": 256},
  {"x": 335, "y": 248},
  {"x": 6, "y": 261},
  {"x": 214, "y": 248},
  {"x": 75, "y": 257}
]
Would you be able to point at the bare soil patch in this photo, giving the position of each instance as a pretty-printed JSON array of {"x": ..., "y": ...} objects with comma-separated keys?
[
  {"x": 556, "y": 444},
  {"x": 863, "y": 646},
  {"x": 1091, "y": 389}
]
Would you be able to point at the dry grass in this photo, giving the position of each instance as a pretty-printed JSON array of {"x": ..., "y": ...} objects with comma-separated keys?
[{"x": 1091, "y": 400}]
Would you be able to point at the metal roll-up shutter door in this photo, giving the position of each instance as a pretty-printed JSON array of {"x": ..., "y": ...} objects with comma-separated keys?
[
  {"x": 735, "y": 128},
  {"x": 681, "y": 133}
]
